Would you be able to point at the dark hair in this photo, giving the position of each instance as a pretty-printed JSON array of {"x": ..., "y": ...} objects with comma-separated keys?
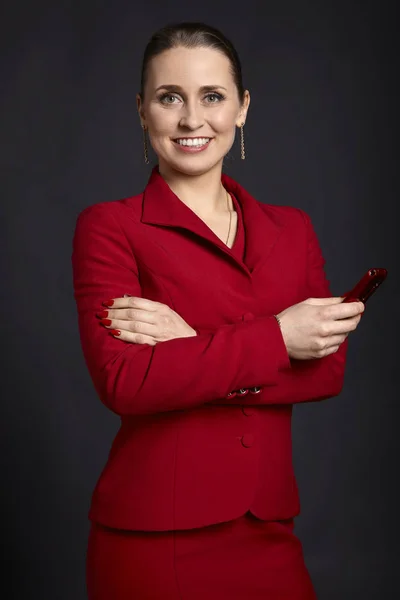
[{"x": 192, "y": 35}]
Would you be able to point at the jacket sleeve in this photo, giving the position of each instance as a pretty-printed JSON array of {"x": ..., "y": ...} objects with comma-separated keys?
[
  {"x": 321, "y": 378},
  {"x": 133, "y": 379},
  {"x": 307, "y": 380}
]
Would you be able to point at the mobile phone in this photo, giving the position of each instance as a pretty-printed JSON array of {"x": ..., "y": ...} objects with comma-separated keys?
[{"x": 367, "y": 285}]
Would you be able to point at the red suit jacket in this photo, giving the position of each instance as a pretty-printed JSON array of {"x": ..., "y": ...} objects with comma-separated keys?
[{"x": 189, "y": 453}]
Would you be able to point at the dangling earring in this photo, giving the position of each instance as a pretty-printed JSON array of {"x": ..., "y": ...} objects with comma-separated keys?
[
  {"x": 242, "y": 153},
  {"x": 145, "y": 148}
]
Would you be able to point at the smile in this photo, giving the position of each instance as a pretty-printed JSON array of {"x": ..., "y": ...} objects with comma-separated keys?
[{"x": 192, "y": 144}]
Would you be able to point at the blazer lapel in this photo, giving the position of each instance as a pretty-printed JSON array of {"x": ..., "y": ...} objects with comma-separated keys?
[
  {"x": 161, "y": 206},
  {"x": 261, "y": 230}
]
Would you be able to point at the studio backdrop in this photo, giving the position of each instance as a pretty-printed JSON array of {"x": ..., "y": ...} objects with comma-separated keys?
[{"x": 320, "y": 135}]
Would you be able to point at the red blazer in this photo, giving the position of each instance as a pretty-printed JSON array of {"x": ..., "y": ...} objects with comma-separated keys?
[{"x": 188, "y": 453}]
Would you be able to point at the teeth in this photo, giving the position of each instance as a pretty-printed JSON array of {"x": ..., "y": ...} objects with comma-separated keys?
[{"x": 193, "y": 142}]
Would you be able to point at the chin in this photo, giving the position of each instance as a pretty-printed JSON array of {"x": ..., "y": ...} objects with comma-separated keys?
[{"x": 194, "y": 167}]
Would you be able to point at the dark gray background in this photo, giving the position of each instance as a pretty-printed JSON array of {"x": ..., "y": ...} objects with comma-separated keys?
[{"x": 320, "y": 135}]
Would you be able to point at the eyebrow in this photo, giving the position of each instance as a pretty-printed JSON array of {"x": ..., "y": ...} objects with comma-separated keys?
[{"x": 204, "y": 88}]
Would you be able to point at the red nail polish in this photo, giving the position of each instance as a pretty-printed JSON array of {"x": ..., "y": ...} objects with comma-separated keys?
[
  {"x": 115, "y": 332},
  {"x": 103, "y": 314},
  {"x": 108, "y": 303},
  {"x": 106, "y": 322}
]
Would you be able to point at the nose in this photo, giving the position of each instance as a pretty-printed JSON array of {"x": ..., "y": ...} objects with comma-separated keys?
[{"x": 192, "y": 116}]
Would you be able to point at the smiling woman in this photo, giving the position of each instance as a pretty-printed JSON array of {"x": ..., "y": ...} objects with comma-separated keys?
[
  {"x": 204, "y": 315},
  {"x": 191, "y": 92}
]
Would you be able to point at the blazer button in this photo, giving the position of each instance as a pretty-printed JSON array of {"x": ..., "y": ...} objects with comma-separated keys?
[
  {"x": 242, "y": 392},
  {"x": 231, "y": 394},
  {"x": 255, "y": 390},
  {"x": 247, "y": 440},
  {"x": 246, "y": 410}
]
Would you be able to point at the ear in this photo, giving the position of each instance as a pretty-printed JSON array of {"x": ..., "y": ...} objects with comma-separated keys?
[
  {"x": 140, "y": 109},
  {"x": 243, "y": 109}
]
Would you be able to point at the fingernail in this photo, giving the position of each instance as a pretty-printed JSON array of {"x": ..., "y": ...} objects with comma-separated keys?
[
  {"x": 103, "y": 314},
  {"x": 106, "y": 322},
  {"x": 108, "y": 303},
  {"x": 115, "y": 332}
]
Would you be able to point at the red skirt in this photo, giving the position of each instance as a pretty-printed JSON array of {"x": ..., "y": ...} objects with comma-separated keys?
[{"x": 243, "y": 559}]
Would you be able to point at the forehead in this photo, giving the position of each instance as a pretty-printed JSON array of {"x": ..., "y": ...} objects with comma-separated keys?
[{"x": 190, "y": 67}]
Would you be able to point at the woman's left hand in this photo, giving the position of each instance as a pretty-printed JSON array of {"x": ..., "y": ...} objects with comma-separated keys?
[{"x": 142, "y": 321}]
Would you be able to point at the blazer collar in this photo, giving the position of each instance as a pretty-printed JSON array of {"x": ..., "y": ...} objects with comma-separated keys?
[{"x": 161, "y": 206}]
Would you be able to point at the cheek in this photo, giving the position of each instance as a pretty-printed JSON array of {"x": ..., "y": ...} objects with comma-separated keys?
[
  {"x": 162, "y": 121},
  {"x": 223, "y": 121}
]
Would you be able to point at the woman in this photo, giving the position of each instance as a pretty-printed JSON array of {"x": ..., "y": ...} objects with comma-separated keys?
[{"x": 204, "y": 316}]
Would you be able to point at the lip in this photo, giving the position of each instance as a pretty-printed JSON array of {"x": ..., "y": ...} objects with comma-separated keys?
[{"x": 192, "y": 149}]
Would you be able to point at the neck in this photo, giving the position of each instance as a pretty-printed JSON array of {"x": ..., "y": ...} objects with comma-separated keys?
[{"x": 204, "y": 193}]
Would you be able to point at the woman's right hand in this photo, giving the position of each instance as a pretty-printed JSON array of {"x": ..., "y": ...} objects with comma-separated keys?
[{"x": 317, "y": 326}]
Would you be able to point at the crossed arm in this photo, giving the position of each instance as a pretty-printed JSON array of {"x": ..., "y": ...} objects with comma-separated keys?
[{"x": 188, "y": 371}]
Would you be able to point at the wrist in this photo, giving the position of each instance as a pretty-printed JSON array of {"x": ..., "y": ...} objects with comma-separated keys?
[
  {"x": 278, "y": 321},
  {"x": 278, "y": 318}
]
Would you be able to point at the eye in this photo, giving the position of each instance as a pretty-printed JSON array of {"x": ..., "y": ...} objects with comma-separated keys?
[
  {"x": 168, "y": 98},
  {"x": 214, "y": 97}
]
